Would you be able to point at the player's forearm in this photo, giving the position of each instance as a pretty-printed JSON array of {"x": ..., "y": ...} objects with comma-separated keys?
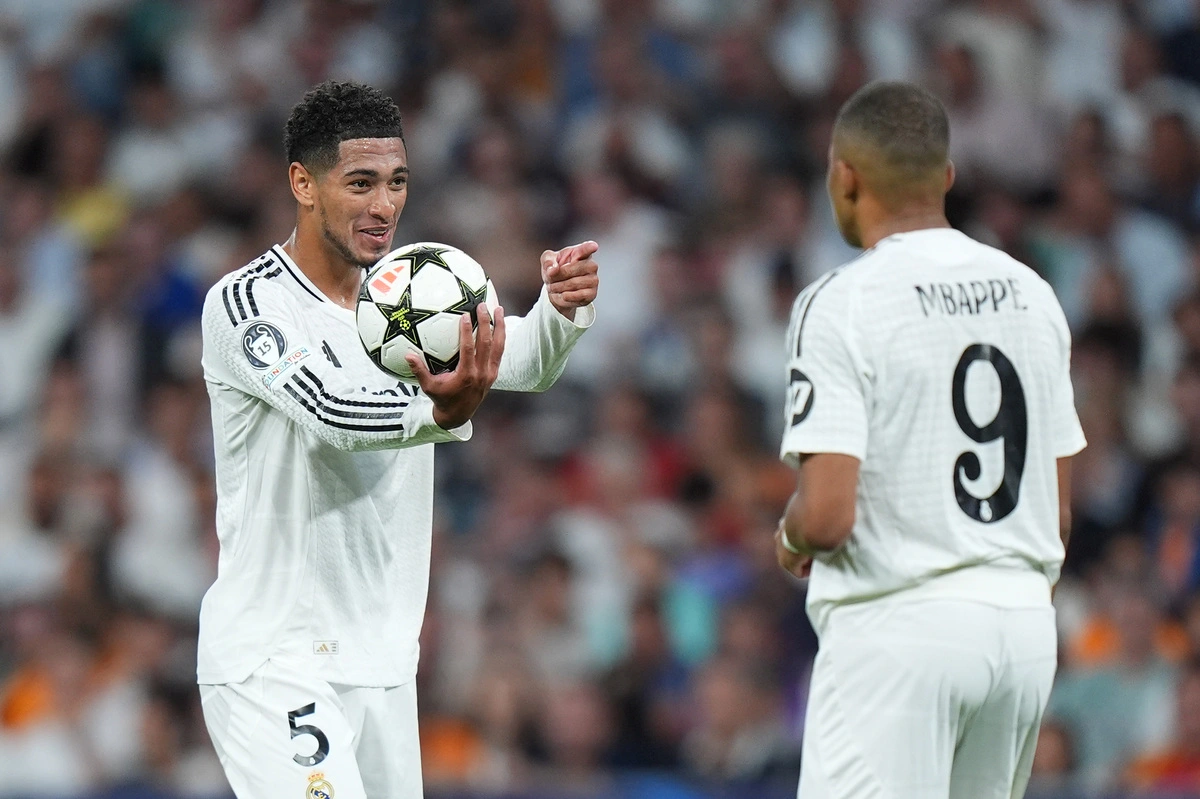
[
  {"x": 538, "y": 347},
  {"x": 820, "y": 514},
  {"x": 352, "y": 423},
  {"x": 795, "y": 539}
]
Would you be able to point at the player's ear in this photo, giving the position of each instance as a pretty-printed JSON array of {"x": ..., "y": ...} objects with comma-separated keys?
[
  {"x": 846, "y": 180},
  {"x": 304, "y": 184},
  {"x": 949, "y": 175}
]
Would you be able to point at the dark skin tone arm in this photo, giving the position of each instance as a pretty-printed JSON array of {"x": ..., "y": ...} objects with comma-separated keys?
[
  {"x": 820, "y": 514},
  {"x": 1064, "y": 505}
]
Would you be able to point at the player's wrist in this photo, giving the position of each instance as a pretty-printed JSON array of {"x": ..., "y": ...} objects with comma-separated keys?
[
  {"x": 449, "y": 420},
  {"x": 803, "y": 550}
]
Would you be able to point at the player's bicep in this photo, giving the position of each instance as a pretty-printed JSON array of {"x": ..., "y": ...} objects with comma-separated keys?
[{"x": 826, "y": 407}]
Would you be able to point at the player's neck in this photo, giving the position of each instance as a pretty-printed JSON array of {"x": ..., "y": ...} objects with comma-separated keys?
[
  {"x": 336, "y": 278},
  {"x": 879, "y": 228}
]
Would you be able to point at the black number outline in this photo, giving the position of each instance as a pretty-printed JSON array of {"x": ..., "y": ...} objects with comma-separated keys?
[
  {"x": 1010, "y": 423},
  {"x": 308, "y": 729}
]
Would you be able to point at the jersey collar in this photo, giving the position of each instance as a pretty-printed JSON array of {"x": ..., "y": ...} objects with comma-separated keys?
[{"x": 298, "y": 275}]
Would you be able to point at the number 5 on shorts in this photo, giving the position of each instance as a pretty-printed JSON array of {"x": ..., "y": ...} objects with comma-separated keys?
[{"x": 308, "y": 729}]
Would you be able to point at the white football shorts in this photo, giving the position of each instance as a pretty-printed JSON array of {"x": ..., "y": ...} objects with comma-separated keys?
[
  {"x": 282, "y": 732},
  {"x": 927, "y": 699}
]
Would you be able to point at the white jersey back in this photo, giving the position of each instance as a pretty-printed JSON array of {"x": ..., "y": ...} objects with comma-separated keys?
[
  {"x": 943, "y": 365},
  {"x": 325, "y": 479}
]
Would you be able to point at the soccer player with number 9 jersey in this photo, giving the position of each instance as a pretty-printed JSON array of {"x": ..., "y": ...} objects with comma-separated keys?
[{"x": 931, "y": 417}]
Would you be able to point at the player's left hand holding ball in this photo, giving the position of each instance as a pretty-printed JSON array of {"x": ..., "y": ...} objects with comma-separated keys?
[{"x": 570, "y": 275}]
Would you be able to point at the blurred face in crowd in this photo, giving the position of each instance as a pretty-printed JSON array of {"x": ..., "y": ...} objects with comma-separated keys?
[
  {"x": 1137, "y": 621},
  {"x": 358, "y": 201},
  {"x": 107, "y": 283},
  {"x": 1172, "y": 156},
  {"x": 577, "y": 725},
  {"x": 957, "y": 66},
  {"x": 1053, "y": 756}
]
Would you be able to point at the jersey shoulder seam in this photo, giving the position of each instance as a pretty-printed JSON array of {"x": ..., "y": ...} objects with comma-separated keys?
[
  {"x": 237, "y": 291},
  {"x": 809, "y": 296}
]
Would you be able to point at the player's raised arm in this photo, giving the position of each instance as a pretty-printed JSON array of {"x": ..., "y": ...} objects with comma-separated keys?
[
  {"x": 539, "y": 343},
  {"x": 256, "y": 346}
]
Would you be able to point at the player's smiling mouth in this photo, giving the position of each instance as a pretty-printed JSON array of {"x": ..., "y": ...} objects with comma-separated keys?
[{"x": 377, "y": 234}]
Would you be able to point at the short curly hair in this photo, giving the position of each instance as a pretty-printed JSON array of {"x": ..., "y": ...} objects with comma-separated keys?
[{"x": 332, "y": 112}]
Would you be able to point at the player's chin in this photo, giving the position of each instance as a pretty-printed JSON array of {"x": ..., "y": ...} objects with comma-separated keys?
[{"x": 371, "y": 247}]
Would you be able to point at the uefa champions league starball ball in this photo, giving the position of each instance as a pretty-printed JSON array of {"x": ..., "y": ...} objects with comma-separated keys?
[{"x": 411, "y": 302}]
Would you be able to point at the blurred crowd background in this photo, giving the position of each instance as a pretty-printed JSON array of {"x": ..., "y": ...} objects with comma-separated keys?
[{"x": 606, "y": 617}]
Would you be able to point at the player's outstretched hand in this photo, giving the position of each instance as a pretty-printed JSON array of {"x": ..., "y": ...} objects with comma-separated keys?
[
  {"x": 796, "y": 565},
  {"x": 456, "y": 395},
  {"x": 571, "y": 278}
]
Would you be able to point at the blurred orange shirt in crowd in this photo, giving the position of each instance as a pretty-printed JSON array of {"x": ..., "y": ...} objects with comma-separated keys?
[
  {"x": 1098, "y": 643},
  {"x": 450, "y": 750},
  {"x": 27, "y": 698},
  {"x": 1168, "y": 771}
]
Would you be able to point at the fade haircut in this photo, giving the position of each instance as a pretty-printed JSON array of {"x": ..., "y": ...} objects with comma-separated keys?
[
  {"x": 333, "y": 112},
  {"x": 905, "y": 125}
]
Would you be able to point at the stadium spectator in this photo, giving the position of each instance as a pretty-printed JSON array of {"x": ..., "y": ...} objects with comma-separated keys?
[
  {"x": 141, "y": 162},
  {"x": 1175, "y": 769}
]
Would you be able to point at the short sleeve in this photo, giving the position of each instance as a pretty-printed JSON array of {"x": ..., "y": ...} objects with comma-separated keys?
[
  {"x": 826, "y": 408},
  {"x": 1068, "y": 433}
]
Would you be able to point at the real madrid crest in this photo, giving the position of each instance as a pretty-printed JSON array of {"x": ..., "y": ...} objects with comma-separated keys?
[{"x": 318, "y": 787}]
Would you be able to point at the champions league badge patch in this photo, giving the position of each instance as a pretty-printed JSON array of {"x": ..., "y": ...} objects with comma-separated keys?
[
  {"x": 318, "y": 787},
  {"x": 263, "y": 344}
]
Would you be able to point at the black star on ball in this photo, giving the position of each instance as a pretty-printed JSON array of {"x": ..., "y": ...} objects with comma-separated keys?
[
  {"x": 402, "y": 318},
  {"x": 428, "y": 255},
  {"x": 469, "y": 302}
]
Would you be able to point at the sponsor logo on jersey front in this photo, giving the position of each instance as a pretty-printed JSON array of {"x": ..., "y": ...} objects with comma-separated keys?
[
  {"x": 318, "y": 787},
  {"x": 285, "y": 366},
  {"x": 263, "y": 345},
  {"x": 325, "y": 647}
]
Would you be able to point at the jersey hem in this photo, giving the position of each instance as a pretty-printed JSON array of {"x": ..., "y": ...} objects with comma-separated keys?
[{"x": 989, "y": 584}]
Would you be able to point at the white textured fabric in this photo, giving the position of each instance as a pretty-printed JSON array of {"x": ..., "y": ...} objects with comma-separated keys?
[
  {"x": 283, "y": 732},
  {"x": 927, "y": 699},
  {"x": 944, "y": 366},
  {"x": 325, "y": 479}
]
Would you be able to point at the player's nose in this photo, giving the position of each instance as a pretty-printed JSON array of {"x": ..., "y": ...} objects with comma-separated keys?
[{"x": 382, "y": 207}]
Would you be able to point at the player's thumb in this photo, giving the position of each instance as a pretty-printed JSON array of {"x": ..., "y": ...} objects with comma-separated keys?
[{"x": 549, "y": 261}]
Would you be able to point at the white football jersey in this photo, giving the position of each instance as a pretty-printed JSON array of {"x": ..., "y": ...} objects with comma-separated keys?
[
  {"x": 325, "y": 479},
  {"x": 943, "y": 365}
]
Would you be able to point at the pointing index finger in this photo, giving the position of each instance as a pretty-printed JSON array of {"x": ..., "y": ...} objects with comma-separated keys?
[{"x": 577, "y": 252}]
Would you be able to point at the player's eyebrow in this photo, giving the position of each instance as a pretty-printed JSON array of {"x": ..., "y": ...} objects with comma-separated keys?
[{"x": 373, "y": 173}]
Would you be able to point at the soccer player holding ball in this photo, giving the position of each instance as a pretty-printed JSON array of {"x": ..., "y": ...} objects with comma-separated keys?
[
  {"x": 308, "y": 637},
  {"x": 932, "y": 419}
]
